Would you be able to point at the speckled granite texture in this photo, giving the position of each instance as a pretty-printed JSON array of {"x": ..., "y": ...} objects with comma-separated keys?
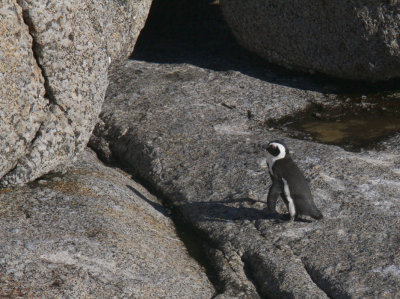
[
  {"x": 92, "y": 233},
  {"x": 347, "y": 39},
  {"x": 56, "y": 60}
]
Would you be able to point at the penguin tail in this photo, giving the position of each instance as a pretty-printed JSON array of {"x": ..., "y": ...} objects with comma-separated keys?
[{"x": 317, "y": 215}]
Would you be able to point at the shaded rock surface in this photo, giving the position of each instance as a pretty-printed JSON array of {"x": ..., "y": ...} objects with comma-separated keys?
[
  {"x": 187, "y": 131},
  {"x": 354, "y": 40},
  {"x": 73, "y": 44},
  {"x": 92, "y": 233}
]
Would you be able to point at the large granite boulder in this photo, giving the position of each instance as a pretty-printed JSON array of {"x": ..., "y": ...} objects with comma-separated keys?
[
  {"x": 193, "y": 134},
  {"x": 347, "y": 39},
  {"x": 22, "y": 101},
  {"x": 92, "y": 233},
  {"x": 55, "y": 60}
]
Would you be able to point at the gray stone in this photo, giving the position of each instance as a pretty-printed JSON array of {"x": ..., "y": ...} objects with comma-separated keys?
[
  {"x": 22, "y": 101},
  {"x": 92, "y": 233},
  {"x": 74, "y": 44},
  {"x": 347, "y": 39},
  {"x": 187, "y": 131}
]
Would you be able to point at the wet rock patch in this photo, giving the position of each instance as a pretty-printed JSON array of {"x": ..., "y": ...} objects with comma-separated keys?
[{"x": 354, "y": 123}]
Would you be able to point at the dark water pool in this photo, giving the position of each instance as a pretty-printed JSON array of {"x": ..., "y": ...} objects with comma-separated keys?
[{"x": 354, "y": 123}]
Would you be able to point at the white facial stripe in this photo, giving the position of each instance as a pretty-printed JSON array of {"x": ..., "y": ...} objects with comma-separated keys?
[
  {"x": 271, "y": 159},
  {"x": 282, "y": 151},
  {"x": 292, "y": 210}
]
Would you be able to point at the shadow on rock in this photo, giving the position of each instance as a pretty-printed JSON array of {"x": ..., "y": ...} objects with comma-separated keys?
[
  {"x": 194, "y": 32},
  {"x": 155, "y": 205},
  {"x": 228, "y": 210}
]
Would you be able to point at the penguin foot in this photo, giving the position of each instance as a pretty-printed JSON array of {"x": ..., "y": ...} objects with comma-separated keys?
[
  {"x": 298, "y": 219},
  {"x": 290, "y": 219},
  {"x": 285, "y": 217}
]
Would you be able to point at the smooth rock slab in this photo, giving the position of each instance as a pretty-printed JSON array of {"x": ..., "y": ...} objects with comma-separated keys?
[
  {"x": 74, "y": 45},
  {"x": 348, "y": 39},
  {"x": 92, "y": 233},
  {"x": 187, "y": 132}
]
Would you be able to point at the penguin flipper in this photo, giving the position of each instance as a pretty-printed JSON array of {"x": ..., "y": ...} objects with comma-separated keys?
[
  {"x": 273, "y": 195},
  {"x": 316, "y": 214}
]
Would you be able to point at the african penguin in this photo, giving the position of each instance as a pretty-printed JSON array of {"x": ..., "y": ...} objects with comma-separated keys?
[{"x": 289, "y": 182}]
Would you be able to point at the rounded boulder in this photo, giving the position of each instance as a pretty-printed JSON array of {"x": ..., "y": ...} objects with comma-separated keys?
[{"x": 356, "y": 40}]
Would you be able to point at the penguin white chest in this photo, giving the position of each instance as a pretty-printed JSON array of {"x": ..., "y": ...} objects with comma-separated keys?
[
  {"x": 270, "y": 163},
  {"x": 292, "y": 210}
]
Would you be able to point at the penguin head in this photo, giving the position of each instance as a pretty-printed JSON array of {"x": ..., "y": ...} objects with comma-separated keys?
[{"x": 278, "y": 149}]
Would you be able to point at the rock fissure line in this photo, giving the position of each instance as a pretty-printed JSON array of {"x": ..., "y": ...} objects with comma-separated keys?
[
  {"x": 182, "y": 226},
  {"x": 250, "y": 289},
  {"x": 28, "y": 22},
  {"x": 330, "y": 290},
  {"x": 201, "y": 257},
  {"x": 250, "y": 275},
  {"x": 49, "y": 94},
  {"x": 269, "y": 288},
  {"x": 37, "y": 134},
  {"x": 313, "y": 278},
  {"x": 317, "y": 281}
]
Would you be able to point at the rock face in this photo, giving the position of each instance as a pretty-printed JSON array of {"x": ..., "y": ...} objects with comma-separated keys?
[
  {"x": 196, "y": 142},
  {"x": 347, "y": 39},
  {"x": 22, "y": 101},
  {"x": 92, "y": 233},
  {"x": 54, "y": 110}
]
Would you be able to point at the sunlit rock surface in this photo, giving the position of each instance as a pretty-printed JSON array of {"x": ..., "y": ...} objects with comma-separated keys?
[
  {"x": 93, "y": 232},
  {"x": 55, "y": 61}
]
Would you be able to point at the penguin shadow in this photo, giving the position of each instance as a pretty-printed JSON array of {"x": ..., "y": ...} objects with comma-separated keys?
[
  {"x": 227, "y": 210},
  {"x": 158, "y": 207},
  {"x": 236, "y": 209},
  {"x": 214, "y": 211},
  {"x": 233, "y": 209}
]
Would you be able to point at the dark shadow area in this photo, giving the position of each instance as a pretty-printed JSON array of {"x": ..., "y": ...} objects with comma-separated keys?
[
  {"x": 223, "y": 211},
  {"x": 194, "y": 32},
  {"x": 155, "y": 205},
  {"x": 323, "y": 282}
]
